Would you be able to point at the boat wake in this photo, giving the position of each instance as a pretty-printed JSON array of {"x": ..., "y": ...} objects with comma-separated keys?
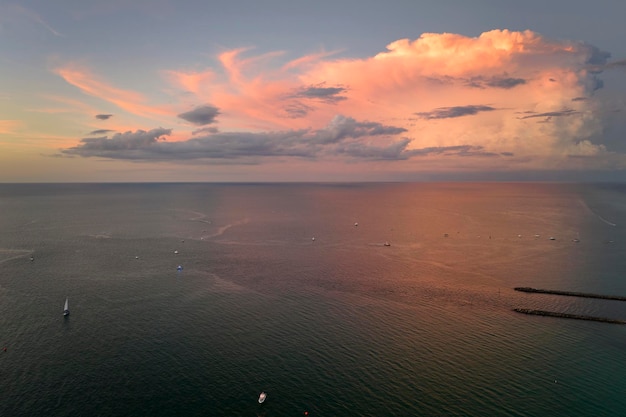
[
  {"x": 221, "y": 230},
  {"x": 10, "y": 254},
  {"x": 602, "y": 219}
]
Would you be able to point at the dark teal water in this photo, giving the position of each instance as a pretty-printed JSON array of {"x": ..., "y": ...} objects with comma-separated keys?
[{"x": 341, "y": 325}]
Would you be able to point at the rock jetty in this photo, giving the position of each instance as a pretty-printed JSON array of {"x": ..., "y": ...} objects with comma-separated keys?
[
  {"x": 567, "y": 316},
  {"x": 571, "y": 293}
]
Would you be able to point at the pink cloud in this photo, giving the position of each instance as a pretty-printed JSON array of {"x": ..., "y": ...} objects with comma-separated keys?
[
  {"x": 10, "y": 126},
  {"x": 130, "y": 101},
  {"x": 510, "y": 71},
  {"x": 457, "y": 99}
]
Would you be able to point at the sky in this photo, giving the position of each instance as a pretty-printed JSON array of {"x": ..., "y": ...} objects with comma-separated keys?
[{"x": 288, "y": 90}]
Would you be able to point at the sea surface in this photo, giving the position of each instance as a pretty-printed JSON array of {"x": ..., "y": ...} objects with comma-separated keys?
[{"x": 292, "y": 289}]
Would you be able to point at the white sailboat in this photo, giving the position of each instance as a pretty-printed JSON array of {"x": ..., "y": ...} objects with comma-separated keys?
[{"x": 66, "y": 309}]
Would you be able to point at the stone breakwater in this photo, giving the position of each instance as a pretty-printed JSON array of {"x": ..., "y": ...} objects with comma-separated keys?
[
  {"x": 570, "y": 293},
  {"x": 567, "y": 316}
]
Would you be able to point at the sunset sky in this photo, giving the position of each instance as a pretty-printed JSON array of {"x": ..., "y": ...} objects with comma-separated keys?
[{"x": 283, "y": 90}]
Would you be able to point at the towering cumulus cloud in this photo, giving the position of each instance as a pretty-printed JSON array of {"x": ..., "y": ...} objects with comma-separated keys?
[{"x": 502, "y": 100}]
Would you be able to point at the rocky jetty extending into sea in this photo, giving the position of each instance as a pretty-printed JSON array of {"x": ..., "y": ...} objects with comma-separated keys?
[
  {"x": 567, "y": 316},
  {"x": 571, "y": 293}
]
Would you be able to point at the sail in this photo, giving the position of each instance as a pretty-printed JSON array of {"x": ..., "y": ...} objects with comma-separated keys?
[{"x": 66, "y": 308}]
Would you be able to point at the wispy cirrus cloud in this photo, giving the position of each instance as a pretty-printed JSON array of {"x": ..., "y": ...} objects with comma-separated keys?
[
  {"x": 14, "y": 12},
  {"x": 131, "y": 101},
  {"x": 10, "y": 126}
]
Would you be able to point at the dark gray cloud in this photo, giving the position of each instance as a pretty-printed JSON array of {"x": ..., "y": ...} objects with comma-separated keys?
[
  {"x": 458, "y": 150},
  {"x": 125, "y": 145},
  {"x": 596, "y": 56},
  {"x": 566, "y": 112},
  {"x": 205, "y": 130},
  {"x": 456, "y": 111},
  {"x": 346, "y": 127},
  {"x": 319, "y": 92},
  {"x": 297, "y": 102},
  {"x": 398, "y": 151},
  {"x": 341, "y": 137},
  {"x": 616, "y": 64},
  {"x": 297, "y": 110},
  {"x": 494, "y": 82},
  {"x": 579, "y": 99},
  {"x": 594, "y": 83},
  {"x": 103, "y": 116},
  {"x": 200, "y": 116},
  {"x": 503, "y": 81},
  {"x": 392, "y": 151},
  {"x": 100, "y": 131}
]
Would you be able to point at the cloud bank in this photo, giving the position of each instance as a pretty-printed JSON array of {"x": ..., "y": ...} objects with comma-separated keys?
[
  {"x": 441, "y": 100},
  {"x": 340, "y": 138}
]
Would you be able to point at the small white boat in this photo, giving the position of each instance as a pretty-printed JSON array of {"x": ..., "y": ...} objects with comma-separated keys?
[
  {"x": 66, "y": 308},
  {"x": 262, "y": 397}
]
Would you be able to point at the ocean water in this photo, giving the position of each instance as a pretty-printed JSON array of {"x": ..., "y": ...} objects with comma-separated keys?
[{"x": 290, "y": 289}]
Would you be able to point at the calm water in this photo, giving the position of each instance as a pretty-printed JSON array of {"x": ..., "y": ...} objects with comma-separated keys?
[{"x": 338, "y": 325}]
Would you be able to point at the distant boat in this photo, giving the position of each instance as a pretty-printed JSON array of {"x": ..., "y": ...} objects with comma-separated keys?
[
  {"x": 66, "y": 309},
  {"x": 387, "y": 244},
  {"x": 262, "y": 397}
]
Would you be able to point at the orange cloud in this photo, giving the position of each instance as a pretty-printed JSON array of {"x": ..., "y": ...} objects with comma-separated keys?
[
  {"x": 500, "y": 100},
  {"x": 510, "y": 71}
]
